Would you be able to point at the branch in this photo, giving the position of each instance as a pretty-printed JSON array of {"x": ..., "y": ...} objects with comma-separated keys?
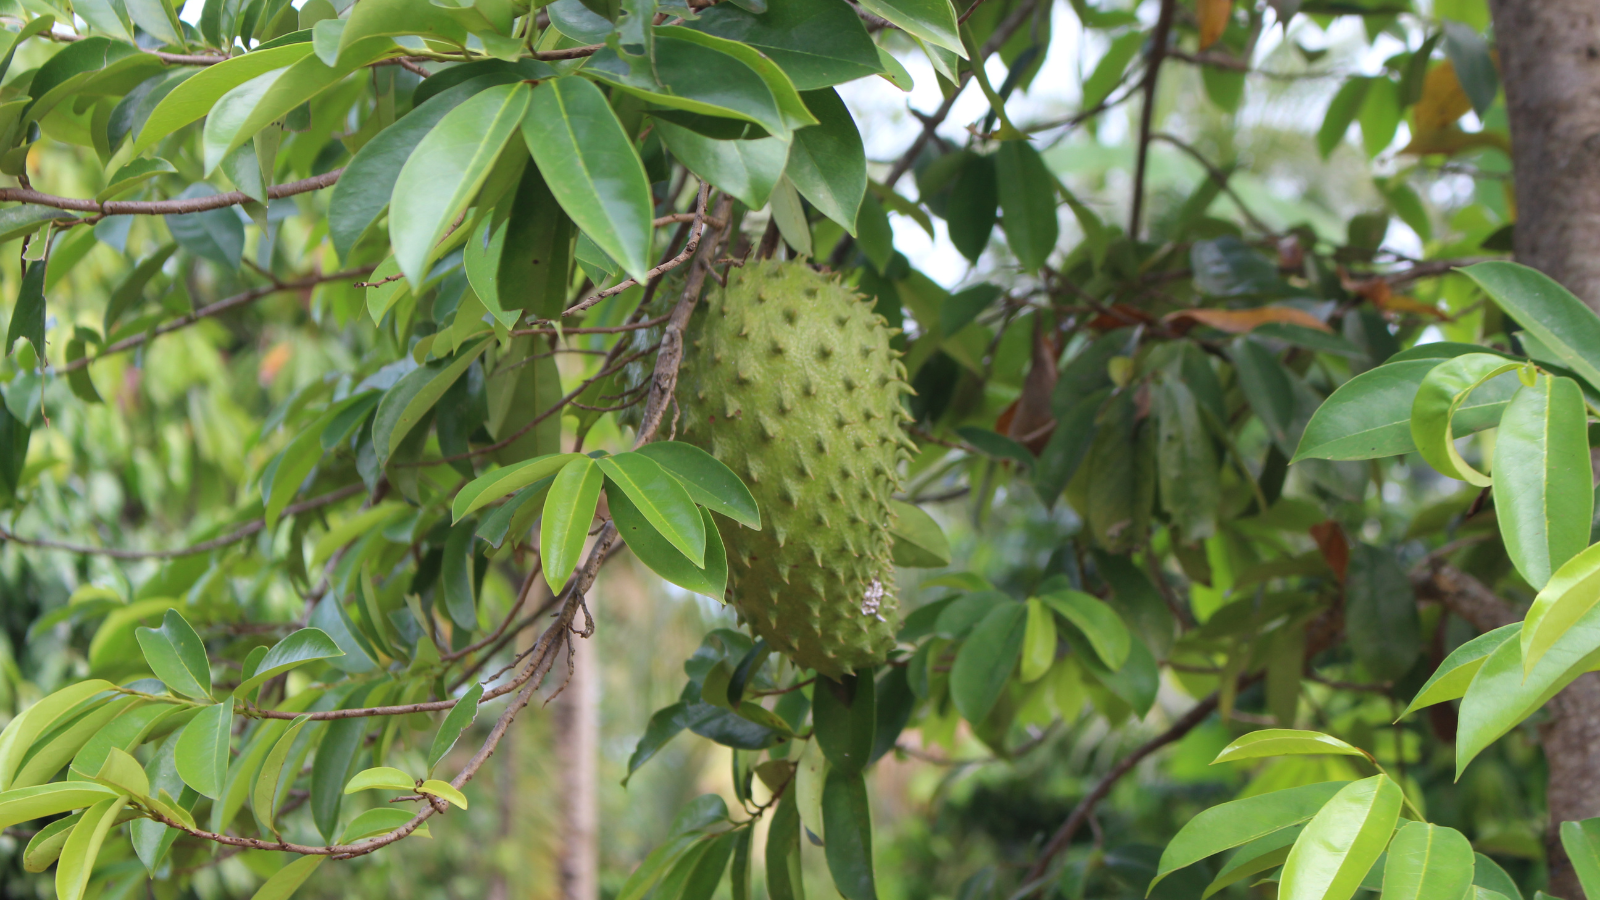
[
  {"x": 1234, "y": 64},
  {"x": 165, "y": 207},
  {"x": 1462, "y": 594},
  {"x": 214, "y": 309},
  {"x": 1158, "y": 52},
  {"x": 233, "y": 537},
  {"x": 1219, "y": 177}
]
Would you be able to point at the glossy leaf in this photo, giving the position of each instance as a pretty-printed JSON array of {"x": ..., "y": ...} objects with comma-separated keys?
[
  {"x": 299, "y": 648},
  {"x": 847, "y": 818},
  {"x": 1038, "y": 642},
  {"x": 986, "y": 660},
  {"x": 1450, "y": 680},
  {"x": 661, "y": 498},
  {"x": 26, "y": 727},
  {"x": 1285, "y": 742},
  {"x": 844, "y": 716},
  {"x": 197, "y": 96},
  {"x": 662, "y": 558},
  {"x": 494, "y": 485},
  {"x": 455, "y": 722},
  {"x": 1581, "y": 840},
  {"x": 709, "y": 482},
  {"x": 25, "y": 804},
  {"x": 933, "y": 21},
  {"x": 827, "y": 162},
  {"x": 1107, "y": 633},
  {"x": 1427, "y": 861},
  {"x": 405, "y": 405},
  {"x": 83, "y": 847},
  {"x": 815, "y": 42},
  {"x": 1239, "y": 822},
  {"x": 1260, "y": 855},
  {"x": 202, "y": 752},
  {"x": 287, "y": 880},
  {"x": 264, "y": 795},
  {"x": 1441, "y": 394},
  {"x": 380, "y": 778},
  {"x": 919, "y": 542},
  {"x": 444, "y": 791},
  {"x": 177, "y": 656},
  {"x": 1547, "y": 310},
  {"x": 1332, "y": 855},
  {"x": 591, "y": 167},
  {"x": 1027, "y": 202},
  {"x": 1368, "y": 417},
  {"x": 568, "y": 510},
  {"x": 1543, "y": 483},
  {"x": 380, "y": 820},
  {"x": 445, "y": 171}
]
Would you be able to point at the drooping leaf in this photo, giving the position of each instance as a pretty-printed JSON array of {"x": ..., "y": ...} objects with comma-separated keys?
[
  {"x": 1342, "y": 841},
  {"x": 1107, "y": 633},
  {"x": 1547, "y": 310},
  {"x": 455, "y": 722},
  {"x": 1025, "y": 186},
  {"x": 827, "y": 162},
  {"x": 1543, "y": 483},
  {"x": 287, "y": 880},
  {"x": 986, "y": 660},
  {"x": 1284, "y": 742},
  {"x": 83, "y": 847},
  {"x": 847, "y": 818},
  {"x": 1442, "y": 393},
  {"x": 202, "y": 751},
  {"x": 569, "y": 509},
  {"x": 1427, "y": 861},
  {"x": 1239, "y": 822},
  {"x": 1450, "y": 680},
  {"x": 844, "y": 715}
]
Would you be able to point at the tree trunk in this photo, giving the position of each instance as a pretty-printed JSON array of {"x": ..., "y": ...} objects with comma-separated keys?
[
  {"x": 577, "y": 721},
  {"x": 1550, "y": 63}
]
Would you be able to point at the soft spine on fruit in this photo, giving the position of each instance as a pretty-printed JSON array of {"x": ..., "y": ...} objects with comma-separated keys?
[{"x": 790, "y": 380}]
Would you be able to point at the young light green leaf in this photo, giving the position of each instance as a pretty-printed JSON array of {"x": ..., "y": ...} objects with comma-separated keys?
[
  {"x": 264, "y": 795},
  {"x": 1107, "y": 633},
  {"x": 1285, "y": 742},
  {"x": 827, "y": 162},
  {"x": 709, "y": 482},
  {"x": 25, "y": 804},
  {"x": 1581, "y": 840},
  {"x": 459, "y": 717},
  {"x": 1260, "y": 855},
  {"x": 1547, "y": 310},
  {"x": 1342, "y": 841},
  {"x": 1368, "y": 417},
  {"x": 287, "y": 880},
  {"x": 202, "y": 752},
  {"x": 299, "y": 648},
  {"x": 83, "y": 846},
  {"x": 444, "y": 791},
  {"x": 380, "y": 820},
  {"x": 121, "y": 772},
  {"x": 1441, "y": 394},
  {"x": 1488, "y": 876},
  {"x": 662, "y": 499},
  {"x": 488, "y": 488},
  {"x": 1543, "y": 482},
  {"x": 381, "y": 778},
  {"x": 1571, "y": 594},
  {"x": 1239, "y": 822},
  {"x": 847, "y": 819},
  {"x": 1427, "y": 861},
  {"x": 177, "y": 656},
  {"x": 1449, "y": 681},
  {"x": 592, "y": 168},
  {"x": 27, "y": 726},
  {"x": 568, "y": 510},
  {"x": 919, "y": 542},
  {"x": 933, "y": 21},
  {"x": 1038, "y": 642},
  {"x": 198, "y": 95},
  {"x": 986, "y": 660},
  {"x": 444, "y": 173}
]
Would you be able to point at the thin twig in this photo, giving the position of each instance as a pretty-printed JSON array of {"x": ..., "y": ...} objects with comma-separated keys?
[
  {"x": 1158, "y": 52},
  {"x": 165, "y": 207}
]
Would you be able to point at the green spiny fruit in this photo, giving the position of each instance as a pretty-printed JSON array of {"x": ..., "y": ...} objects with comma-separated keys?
[{"x": 789, "y": 379}]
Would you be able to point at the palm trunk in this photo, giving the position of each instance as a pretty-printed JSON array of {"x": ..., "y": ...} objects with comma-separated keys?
[{"x": 1550, "y": 62}]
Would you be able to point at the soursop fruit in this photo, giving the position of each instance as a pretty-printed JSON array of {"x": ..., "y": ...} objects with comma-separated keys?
[{"x": 789, "y": 379}]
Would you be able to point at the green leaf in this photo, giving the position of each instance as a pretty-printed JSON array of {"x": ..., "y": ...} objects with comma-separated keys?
[
  {"x": 1487, "y": 875},
  {"x": 972, "y": 211},
  {"x": 1581, "y": 840},
  {"x": 1108, "y": 71},
  {"x": 568, "y": 510},
  {"x": 709, "y": 482},
  {"x": 492, "y": 486},
  {"x": 933, "y": 21},
  {"x": 986, "y": 660},
  {"x": 1038, "y": 642},
  {"x": 847, "y": 821},
  {"x": 1341, "y": 112},
  {"x": 1427, "y": 861},
  {"x": 1260, "y": 855},
  {"x": 1547, "y": 310},
  {"x": 1442, "y": 392},
  {"x": 1240, "y": 822},
  {"x": 1381, "y": 616},
  {"x": 785, "y": 878},
  {"x": 1450, "y": 680},
  {"x": 28, "y": 315},
  {"x": 196, "y": 96},
  {"x": 662, "y": 558},
  {"x": 1285, "y": 742},
  {"x": 406, "y": 404},
  {"x": 456, "y": 576},
  {"x": 202, "y": 752},
  {"x": 364, "y": 189},
  {"x": 533, "y": 265},
  {"x": 817, "y": 43},
  {"x": 342, "y": 741},
  {"x": 792, "y": 110},
  {"x": 662, "y": 499},
  {"x": 288, "y": 879},
  {"x": 1543, "y": 483},
  {"x": 827, "y": 162},
  {"x": 299, "y": 648},
  {"x": 380, "y": 820},
  {"x": 1027, "y": 202},
  {"x": 26, "y": 727},
  {"x": 664, "y": 725},
  {"x": 83, "y": 846},
  {"x": 381, "y": 778},
  {"x": 382, "y": 18},
  {"x": 130, "y": 293},
  {"x": 1190, "y": 482},
  {"x": 1343, "y": 840},
  {"x": 747, "y": 169},
  {"x": 1569, "y": 596},
  {"x": 444, "y": 791},
  {"x": 919, "y": 542},
  {"x": 26, "y": 804},
  {"x": 264, "y": 795},
  {"x": 844, "y": 715},
  {"x": 177, "y": 656},
  {"x": 592, "y": 168},
  {"x": 17, "y": 221},
  {"x": 1473, "y": 62},
  {"x": 1368, "y": 417},
  {"x": 1107, "y": 633},
  {"x": 455, "y": 722},
  {"x": 445, "y": 171}
]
